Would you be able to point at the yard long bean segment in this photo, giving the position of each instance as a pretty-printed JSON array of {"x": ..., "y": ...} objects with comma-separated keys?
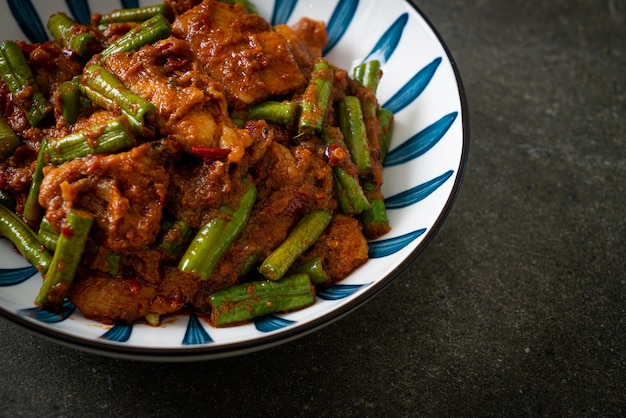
[
  {"x": 67, "y": 255},
  {"x": 188, "y": 154},
  {"x": 250, "y": 300},
  {"x": 9, "y": 141},
  {"x": 20, "y": 81}
]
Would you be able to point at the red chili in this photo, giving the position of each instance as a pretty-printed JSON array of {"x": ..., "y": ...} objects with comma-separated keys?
[
  {"x": 67, "y": 231},
  {"x": 335, "y": 154},
  {"x": 209, "y": 153}
]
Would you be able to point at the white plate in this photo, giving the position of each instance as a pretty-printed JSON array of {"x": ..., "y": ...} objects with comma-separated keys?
[{"x": 423, "y": 173}]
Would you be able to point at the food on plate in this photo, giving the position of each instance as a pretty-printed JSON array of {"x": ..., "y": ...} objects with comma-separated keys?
[{"x": 188, "y": 154}]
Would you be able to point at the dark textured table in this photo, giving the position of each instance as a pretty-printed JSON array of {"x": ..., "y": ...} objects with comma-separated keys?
[{"x": 518, "y": 305}]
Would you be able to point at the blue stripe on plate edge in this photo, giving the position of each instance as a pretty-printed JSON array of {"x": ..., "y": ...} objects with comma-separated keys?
[{"x": 12, "y": 277}]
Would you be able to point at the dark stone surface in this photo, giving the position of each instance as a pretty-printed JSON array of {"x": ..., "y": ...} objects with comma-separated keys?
[{"x": 516, "y": 308}]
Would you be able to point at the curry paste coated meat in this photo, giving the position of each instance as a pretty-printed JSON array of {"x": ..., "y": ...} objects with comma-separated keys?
[{"x": 202, "y": 79}]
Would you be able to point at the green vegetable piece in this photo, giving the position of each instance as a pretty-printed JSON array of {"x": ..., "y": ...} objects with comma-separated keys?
[
  {"x": 18, "y": 76},
  {"x": 152, "y": 30},
  {"x": 315, "y": 269},
  {"x": 73, "y": 36},
  {"x": 352, "y": 199},
  {"x": 303, "y": 235},
  {"x": 282, "y": 113},
  {"x": 69, "y": 251},
  {"x": 7, "y": 200},
  {"x": 385, "y": 119},
  {"x": 24, "y": 238},
  {"x": 247, "y": 301},
  {"x": 368, "y": 74},
  {"x": 107, "y": 91},
  {"x": 315, "y": 100},
  {"x": 135, "y": 14},
  {"x": 375, "y": 221},
  {"x": 106, "y": 138},
  {"x": 248, "y": 265},
  {"x": 9, "y": 141},
  {"x": 32, "y": 209},
  {"x": 212, "y": 241},
  {"x": 353, "y": 129},
  {"x": 69, "y": 99},
  {"x": 47, "y": 236},
  {"x": 113, "y": 260},
  {"x": 176, "y": 238},
  {"x": 239, "y": 122}
]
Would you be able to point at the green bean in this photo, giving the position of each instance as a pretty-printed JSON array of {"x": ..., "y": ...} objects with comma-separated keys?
[
  {"x": 247, "y": 301},
  {"x": 248, "y": 265},
  {"x": 152, "y": 30},
  {"x": 7, "y": 200},
  {"x": 107, "y": 91},
  {"x": 282, "y": 113},
  {"x": 354, "y": 133},
  {"x": 303, "y": 235},
  {"x": 352, "y": 199},
  {"x": 9, "y": 141},
  {"x": 368, "y": 74},
  {"x": 73, "y": 36},
  {"x": 47, "y": 236},
  {"x": 375, "y": 220},
  {"x": 176, "y": 237},
  {"x": 239, "y": 122},
  {"x": 212, "y": 241},
  {"x": 135, "y": 14},
  {"x": 69, "y": 251},
  {"x": 69, "y": 100},
  {"x": 113, "y": 260},
  {"x": 385, "y": 119},
  {"x": 315, "y": 269},
  {"x": 105, "y": 138},
  {"x": 315, "y": 100},
  {"x": 24, "y": 238},
  {"x": 348, "y": 190},
  {"x": 18, "y": 76},
  {"x": 32, "y": 209},
  {"x": 89, "y": 96}
]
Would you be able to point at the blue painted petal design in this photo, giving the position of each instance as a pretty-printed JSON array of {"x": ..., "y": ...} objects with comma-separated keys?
[
  {"x": 195, "y": 334},
  {"x": 80, "y": 10},
  {"x": 43, "y": 315},
  {"x": 339, "y": 291},
  {"x": 130, "y": 4},
  {"x": 119, "y": 333},
  {"x": 12, "y": 277},
  {"x": 421, "y": 142},
  {"x": 389, "y": 41},
  {"x": 413, "y": 88},
  {"x": 339, "y": 22},
  {"x": 417, "y": 193},
  {"x": 270, "y": 323},
  {"x": 389, "y": 246},
  {"x": 28, "y": 19},
  {"x": 282, "y": 11}
]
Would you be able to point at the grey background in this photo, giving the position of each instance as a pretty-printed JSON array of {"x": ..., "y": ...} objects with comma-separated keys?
[{"x": 516, "y": 308}]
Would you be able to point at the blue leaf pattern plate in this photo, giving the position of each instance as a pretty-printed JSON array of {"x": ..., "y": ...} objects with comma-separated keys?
[{"x": 423, "y": 173}]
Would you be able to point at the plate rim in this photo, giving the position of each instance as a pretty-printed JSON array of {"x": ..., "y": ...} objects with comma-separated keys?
[{"x": 208, "y": 352}]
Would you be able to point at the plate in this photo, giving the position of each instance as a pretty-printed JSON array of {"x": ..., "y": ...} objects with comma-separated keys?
[{"x": 423, "y": 173}]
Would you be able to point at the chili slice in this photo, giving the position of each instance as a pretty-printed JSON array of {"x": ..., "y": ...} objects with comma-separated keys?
[{"x": 210, "y": 153}]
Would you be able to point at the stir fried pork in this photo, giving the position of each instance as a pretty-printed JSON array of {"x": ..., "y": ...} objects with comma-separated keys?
[{"x": 241, "y": 51}]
